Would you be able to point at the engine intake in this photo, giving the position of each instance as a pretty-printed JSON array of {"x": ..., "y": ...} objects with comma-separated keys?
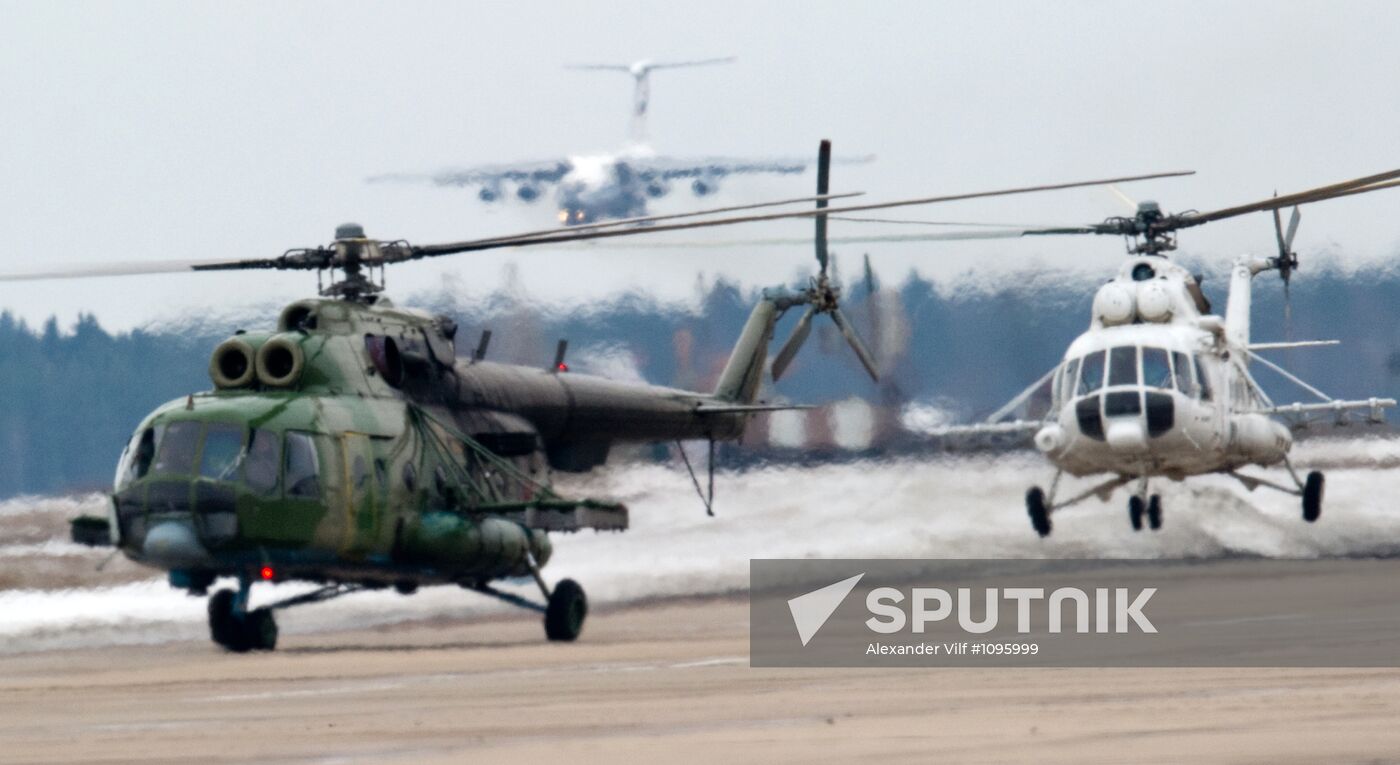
[
  {"x": 233, "y": 364},
  {"x": 280, "y": 362}
]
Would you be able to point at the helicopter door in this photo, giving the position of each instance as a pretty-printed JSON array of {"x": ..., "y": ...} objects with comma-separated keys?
[{"x": 362, "y": 512}]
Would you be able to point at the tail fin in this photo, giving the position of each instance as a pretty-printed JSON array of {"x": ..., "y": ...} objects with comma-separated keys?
[
  {"x": 744, "y": 371},
  {"x": 1238, "y": 307}
]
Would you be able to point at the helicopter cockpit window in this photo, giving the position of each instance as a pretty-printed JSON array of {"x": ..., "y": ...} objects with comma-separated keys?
[
  {"x": 1091, "y": 373},
  {"x": 1184, "y": 382},
  {"x": 136, "y": 460},
  {"x": 263, "y": 462},
  {"x": 175, "y": 454},
  {"x": 1068, "y": 380},
  {"x": 1201, "y": 380},
  {"x": 223, "y": 445},
  {"x": 303, "y": 467},
  {"x": 1156, "y": 368},
  {"x": 1122, "y": 365}
]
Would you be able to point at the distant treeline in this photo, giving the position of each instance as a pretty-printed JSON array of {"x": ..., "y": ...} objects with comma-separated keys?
[{"x": 71, "y": 398}]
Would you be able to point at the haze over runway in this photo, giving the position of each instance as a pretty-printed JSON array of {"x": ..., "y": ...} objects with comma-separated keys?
[{"x": 159, "y": 130}]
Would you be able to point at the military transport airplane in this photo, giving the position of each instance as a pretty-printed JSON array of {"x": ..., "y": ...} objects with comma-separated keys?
[{"x": 598, "y": 187}]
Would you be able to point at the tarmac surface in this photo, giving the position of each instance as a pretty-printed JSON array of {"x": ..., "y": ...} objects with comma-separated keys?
[{"x": 667, "y": 681}]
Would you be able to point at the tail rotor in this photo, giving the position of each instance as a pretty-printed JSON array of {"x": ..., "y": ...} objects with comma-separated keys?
[
  {"x": 1286, "y": 261},
  {"x": 823, "y": 293}
]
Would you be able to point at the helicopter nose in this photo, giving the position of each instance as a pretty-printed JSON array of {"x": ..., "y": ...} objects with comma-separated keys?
[
  {"x": 171, "y": 544},
  {"x": 1126, "y": 435}
]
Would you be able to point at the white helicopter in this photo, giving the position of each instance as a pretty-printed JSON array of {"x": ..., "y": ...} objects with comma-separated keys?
[{"x": 1159, "y": 387}]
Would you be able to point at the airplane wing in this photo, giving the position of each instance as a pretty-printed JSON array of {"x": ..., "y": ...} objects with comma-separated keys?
[
  {"x": 547, "y": 171},
  {"x": 605, "y": 187}
]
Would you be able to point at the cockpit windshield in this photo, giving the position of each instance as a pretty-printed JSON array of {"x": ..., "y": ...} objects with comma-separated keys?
[
  {"x": 223, "y": 446},
  {"x": 1122, "y": 365},
  {"x": 1156, "y": 368}
]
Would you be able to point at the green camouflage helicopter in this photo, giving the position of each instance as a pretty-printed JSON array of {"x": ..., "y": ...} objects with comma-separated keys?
[{"x": 353, "y": 448}]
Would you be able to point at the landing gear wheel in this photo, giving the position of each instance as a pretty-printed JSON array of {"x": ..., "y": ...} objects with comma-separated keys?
[
  {"x": 1154, "y": 512},
  {"x": 225, "y": 627},
  {"x": 1312, "y": 496},
  {"x": 240, "y": 633},
  {"x": 260, "y": 630},
  {"x": 563, "y": 619},
  {"x": 1039, "y": 513},
  {"x": 1135, "y": 512}
]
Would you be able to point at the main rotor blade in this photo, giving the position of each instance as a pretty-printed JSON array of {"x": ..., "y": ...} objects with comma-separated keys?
[
  {"x": 428, "y": 251},
  {"x": 856, "y": 344},
  {"x": 1345, "y": 188},
  {"x": 129, "y": 268},
  {"x": 794, "y": 343},
  {"x": 823, "y": 181},
  {"x": 1278, "y": 233}
]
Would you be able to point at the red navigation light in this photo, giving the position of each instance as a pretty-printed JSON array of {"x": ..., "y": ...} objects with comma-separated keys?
[
  {"x": 563, "y": 367},
  {"x": 268, "y": 573}
]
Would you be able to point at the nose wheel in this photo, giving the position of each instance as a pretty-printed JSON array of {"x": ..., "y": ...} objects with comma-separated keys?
[{"x": 1149, "y": 512}]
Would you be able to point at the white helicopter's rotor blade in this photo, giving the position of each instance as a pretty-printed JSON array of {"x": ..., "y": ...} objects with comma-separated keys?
[{"x": 1124, "y": 198}]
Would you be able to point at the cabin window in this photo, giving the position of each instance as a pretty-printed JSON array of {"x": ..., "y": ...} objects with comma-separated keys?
[
  {"x": 1156, "y": 368},
  {"x": 263, "y": 462},
  {"x": 223, "y": 445},
  {"x": 303, "y": 467},
  {"x": 410, "y": 477},
  {"x": 1201, "y": 380},
  {"x": 1123, "y": 365},
  {"x": 381, "y": 475},
  {"x": 1184, "y": 382},
  {"x": 1091, "y": 373},
  {"x": 175, "y": 454}
]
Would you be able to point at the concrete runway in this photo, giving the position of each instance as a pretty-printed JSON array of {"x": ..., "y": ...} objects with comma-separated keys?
[{"x": 666, "y": 682}]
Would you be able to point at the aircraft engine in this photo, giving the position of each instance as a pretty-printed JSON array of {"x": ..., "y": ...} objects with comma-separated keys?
[
  {"x": 1114, "y": 305},
  {"x": 703, "y": 187},
  {"x": 233, "y": 363},
  {"x": 280, "y": 361},
  {"x": 488, "y": 194},
  {"x": 656, "y": 190},
  {"x": 527, "y": 193},
  {"x": 1153, "y": 302},
  {"x": 1259, "y": 439}
]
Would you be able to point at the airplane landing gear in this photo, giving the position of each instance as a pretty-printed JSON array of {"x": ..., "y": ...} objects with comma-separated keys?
[
  {"x": 1154, "y": 512},
  {"x": 1312, "y": 496}
]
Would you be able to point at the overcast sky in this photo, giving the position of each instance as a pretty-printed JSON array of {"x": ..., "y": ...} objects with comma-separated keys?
[{"x": 150, "y": 130}]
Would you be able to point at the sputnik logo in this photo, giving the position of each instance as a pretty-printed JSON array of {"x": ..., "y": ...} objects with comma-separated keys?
[{"x": 810, "y": 611}]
